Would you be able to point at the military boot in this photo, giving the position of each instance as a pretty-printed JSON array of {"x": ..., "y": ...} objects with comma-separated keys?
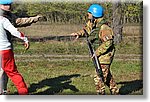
[{"x": 114, "y": 91}]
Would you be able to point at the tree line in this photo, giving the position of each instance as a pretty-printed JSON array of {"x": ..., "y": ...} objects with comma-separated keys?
[{"x": 66, "y": 12}]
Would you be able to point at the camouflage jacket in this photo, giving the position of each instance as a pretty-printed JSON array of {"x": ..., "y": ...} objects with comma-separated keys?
[
  {"x": 20, "y": 22},
  {"x": 103, "y": 37}
]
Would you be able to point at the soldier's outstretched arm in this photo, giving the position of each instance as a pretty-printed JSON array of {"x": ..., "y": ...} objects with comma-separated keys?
[
  {"x": 27, "y": 21},
  {"x": 81, "y": 33}
]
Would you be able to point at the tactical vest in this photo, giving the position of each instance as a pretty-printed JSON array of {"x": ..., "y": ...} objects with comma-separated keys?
[{"x": 94, "y": 36}]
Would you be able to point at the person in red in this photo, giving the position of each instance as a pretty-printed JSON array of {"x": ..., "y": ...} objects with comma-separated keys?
[
  {"x": 6, "y": 11},
  {"x": 7, "y": 62}
]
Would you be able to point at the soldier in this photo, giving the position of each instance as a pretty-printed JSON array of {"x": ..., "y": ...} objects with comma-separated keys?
[
  {"x": 102, "y": 40},
  {"x": 5, "y": 11}
]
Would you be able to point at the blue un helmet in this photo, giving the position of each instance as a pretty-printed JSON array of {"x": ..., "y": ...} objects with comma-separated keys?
[
  {"x": 96, "y": 10},
  {"x": 6, "y": 2}
]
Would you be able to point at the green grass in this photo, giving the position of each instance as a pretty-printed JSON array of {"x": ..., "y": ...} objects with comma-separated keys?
[
  {"x": 127, "y": 46},
  {"x": 74, "y": 48},
  {"x": 130, "y": 46},
  {"x": 53, "y": 47},
  {"x": 73, "y": 77},
  {"x": 76, "y": 77}
]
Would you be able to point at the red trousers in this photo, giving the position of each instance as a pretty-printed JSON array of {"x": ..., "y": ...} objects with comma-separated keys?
[{"x": 9, "y": 66}]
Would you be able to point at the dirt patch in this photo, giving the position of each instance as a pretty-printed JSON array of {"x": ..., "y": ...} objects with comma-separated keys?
[{"x": 133, "y": 30}]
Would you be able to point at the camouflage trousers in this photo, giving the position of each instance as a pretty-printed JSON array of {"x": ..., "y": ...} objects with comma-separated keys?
[{"x": 107, "y": 80}]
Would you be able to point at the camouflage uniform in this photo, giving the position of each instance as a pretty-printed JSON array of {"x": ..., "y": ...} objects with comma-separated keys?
[
  {"x": 20, "y": 22},
  {"x": 17, "y": 22},
  {"x": 102, "y": 40}
]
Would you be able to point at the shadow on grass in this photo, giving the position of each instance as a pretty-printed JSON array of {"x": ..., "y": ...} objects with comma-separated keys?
[
  {"x": 130, "y": 86},
  {"x": 54, "y": 85}
]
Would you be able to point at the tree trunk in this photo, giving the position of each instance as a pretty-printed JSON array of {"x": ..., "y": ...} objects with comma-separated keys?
[{"x": 117, "y": 22}]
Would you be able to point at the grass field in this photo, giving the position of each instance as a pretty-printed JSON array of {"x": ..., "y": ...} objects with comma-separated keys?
[
  {"x": 72, "y": 77},
  {"x": 127, "y": 46},
  {"x": 76, "y": 77}
]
